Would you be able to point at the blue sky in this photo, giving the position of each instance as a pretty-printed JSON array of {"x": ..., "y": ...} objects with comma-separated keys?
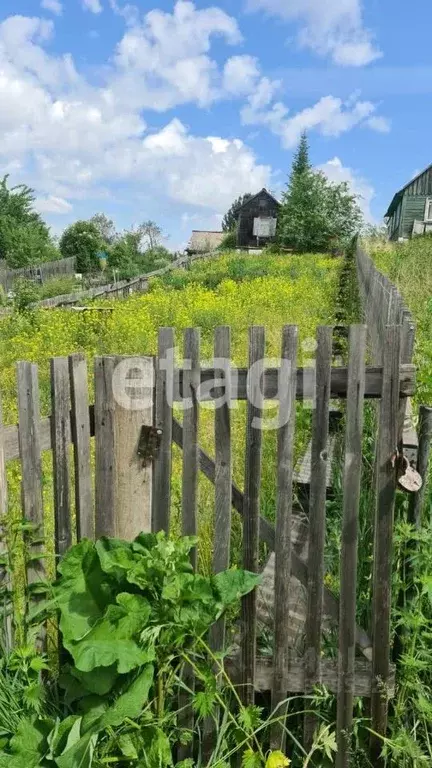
[{"x": 169, "y": 110}]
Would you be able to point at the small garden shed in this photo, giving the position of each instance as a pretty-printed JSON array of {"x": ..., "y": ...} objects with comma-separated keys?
[{"x": 257, "y": 220}]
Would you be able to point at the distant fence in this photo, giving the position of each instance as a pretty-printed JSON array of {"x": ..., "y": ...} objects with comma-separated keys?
[
  {"x": 383, "y": 305},
  {"x": 134, "y": 428},
  {"x": 123, "y": 288},
  {"x": 43, "y": 271}
]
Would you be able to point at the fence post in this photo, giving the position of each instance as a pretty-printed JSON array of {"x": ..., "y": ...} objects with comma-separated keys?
[
  {"x": 124, "y": 404},
  {"x": 383, "y": 540}
]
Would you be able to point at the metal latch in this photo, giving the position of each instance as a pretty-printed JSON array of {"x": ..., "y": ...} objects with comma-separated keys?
[{"x": 149, "y": 444}]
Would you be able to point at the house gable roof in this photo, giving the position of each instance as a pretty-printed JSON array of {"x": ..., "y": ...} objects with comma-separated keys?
[
  {"x": 399, "y": 195},
  {"x": 252, "y": 199},
  {"x": 203, "y": 240}
]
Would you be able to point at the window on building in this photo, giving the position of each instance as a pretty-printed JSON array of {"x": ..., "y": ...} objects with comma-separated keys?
[{"x": 428, "y": 210}]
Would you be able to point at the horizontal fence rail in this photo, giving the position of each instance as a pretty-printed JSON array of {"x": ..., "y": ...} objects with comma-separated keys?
[{"x": 133, "y": 426}]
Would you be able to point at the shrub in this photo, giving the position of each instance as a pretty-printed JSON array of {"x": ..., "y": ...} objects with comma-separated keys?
[{"x": 83, "y": 242}]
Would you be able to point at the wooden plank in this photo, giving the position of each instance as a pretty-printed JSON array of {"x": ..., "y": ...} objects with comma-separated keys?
[
  {"x": 305, "y": 383},
  {"x": 295, "y": 675},
  {"x": 31, "y": 466},
  {"x": 251, "y": 513},
  {"x": 80, "y": 425},
  {"x": 163, "y": 422},
  {"x": 190, "y": 500},
  {"x": 61, "y": 438},
  {"x": 285, "y": 459},
  {"x": 105, "y": 524},
  {"x": 133, "y": 389},
  {"x": 223, "y": 473},
  {"x": 383, "y": 540},
  {"x": 5, "y": 580},
  {"x": 303, "y": 472},
  {"x": 190, "y": 436},
  {"x": 267, "y": 536},
  {"x": 339, "y": 388},
  {"x": 317, "y": 511},
  {"x": 124, "y": 396},
  {"x": 348, "y": 571},
  {"x": 424, "y": 449}
]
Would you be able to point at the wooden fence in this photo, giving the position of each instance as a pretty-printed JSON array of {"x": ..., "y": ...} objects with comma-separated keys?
[
  {"x": 134, "y": 427},
  {"x": 44, "y": 271}
]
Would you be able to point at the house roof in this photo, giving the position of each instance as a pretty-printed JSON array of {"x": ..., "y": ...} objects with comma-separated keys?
[
  {"x": 263, "y": 191},
  {"x": 399, "y": 195},
  {"x": 205, "y": 240}
]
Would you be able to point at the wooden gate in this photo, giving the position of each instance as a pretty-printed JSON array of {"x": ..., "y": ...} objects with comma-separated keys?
[{"x": 134, "y": 426}]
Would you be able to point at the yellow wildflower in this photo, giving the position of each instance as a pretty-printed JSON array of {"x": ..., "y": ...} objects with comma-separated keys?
[{"x": 277, "y": 759}]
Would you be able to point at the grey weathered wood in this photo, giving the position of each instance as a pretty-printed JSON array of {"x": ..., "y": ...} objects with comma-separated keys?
[
  {"x": 31, "y": 466},
  {"x": 305, "y": 383},
  {"x": 190, "y": 436},
  {"x": 30, "y": 451},
  {"x": 223, "y": 474},
  {"x": 190, "y": 496},
  {"x": 133, "y": 474},
  {"x": 105, "y": 523},
  {"x": 163, "y": 422},
  {"x": 267, "y": 536},
  {"x": 348, "y": 572},
  {"x": 285, "y": 459},
  {"x": 295, "y": 675},
  {"x": 339, "y": 389},
  {"x": 5, "y": 580},
  {"x": 124, "y": 397},
  {"x": 317, "y": 513},
  {"x": 61, "y": 438},
  {"x": 251, "y": 513},
  {"x": 424, "y": 449},
  {"x": 383, "y": 539},
  {"x": 80, "y": 424}
]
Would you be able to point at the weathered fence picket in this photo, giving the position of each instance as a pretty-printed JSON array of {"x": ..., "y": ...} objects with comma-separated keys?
[
  {"x": 317, "y": 520},
  {"x": 251, "y": 511},
  {"x": 382, "y": 566},
  {"x": 285, "y": 465},
  {"x": 80, "y": 425},
  {"x": 60, "y": 422},
  {"x": 350, "y": 525}
]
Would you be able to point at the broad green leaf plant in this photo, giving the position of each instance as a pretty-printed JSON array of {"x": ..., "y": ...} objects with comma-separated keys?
[{"x": 131, "y": 615}]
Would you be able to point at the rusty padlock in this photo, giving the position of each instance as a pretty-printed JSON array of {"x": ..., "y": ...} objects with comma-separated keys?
[{"x": 409, "y": 480}]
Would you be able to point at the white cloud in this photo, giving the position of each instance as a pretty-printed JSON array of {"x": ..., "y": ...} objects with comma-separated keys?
[
  {"x": 330, "y": 116},
  {"x": 164, "y": 60},
  {"x": 328, "y": 27},
  {"x": 54, "y": 6},
  {"x": 380, "y": 124},
  {"x": 92, "y": 5},
  {"x": 52, "y": 204},
  {"x": 72, "y": 140},
  {"x": 337, "y": 172},
  {"x": 240, "y": 74}
]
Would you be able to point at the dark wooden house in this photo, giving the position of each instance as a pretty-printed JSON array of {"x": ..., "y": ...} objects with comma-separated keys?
[
  {"x": 257, "y": 219},
  {"x": 410, "y": 211}
]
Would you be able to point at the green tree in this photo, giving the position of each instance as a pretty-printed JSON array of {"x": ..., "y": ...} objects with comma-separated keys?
[
  {"x": 229, "y": 221},
  {"x": 151, "y": 235},
  {"x": 106, "y": 228},
  {"x": 316, "y": 215},
  {"x": 82, "y": 241},
  {"x": 24, "y": 237},
  {"x": 301, "y": 163}
]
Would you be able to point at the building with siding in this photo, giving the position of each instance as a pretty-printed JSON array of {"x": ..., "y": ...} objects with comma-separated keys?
[
  {"x": 410, "y": 211},
  {"x": 257, "y": 220}
]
